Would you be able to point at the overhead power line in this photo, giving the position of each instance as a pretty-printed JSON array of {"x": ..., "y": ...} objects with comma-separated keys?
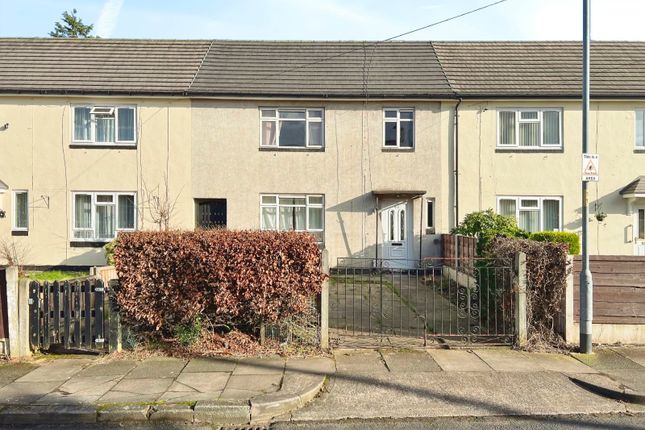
[{"x": 349, "y": 51}]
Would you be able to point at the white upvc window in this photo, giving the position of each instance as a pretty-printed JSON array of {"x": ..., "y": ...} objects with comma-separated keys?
[
  {"x": 293, "y": 212},
  {"x": 104, "y": 125},
  {"x": 99, "y": 216},
  {"x": 292, "y": 128},
  {"x": 398, "y": 128},
  {"x": 533, "y": 213},
  {"x": 640, "y": 129},
  {"x": 20, "y": 218},
  {"x": 529, "y": 128}
]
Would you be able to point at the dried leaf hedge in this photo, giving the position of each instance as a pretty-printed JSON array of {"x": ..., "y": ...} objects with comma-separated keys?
[
  {"x": 546, "y": 272},
  {"x": 235, "y": 279}
]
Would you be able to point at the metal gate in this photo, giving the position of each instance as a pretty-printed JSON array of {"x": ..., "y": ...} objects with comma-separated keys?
[
  {"x": 437, "y": 301},
  {"x": 72, "y": 314}
]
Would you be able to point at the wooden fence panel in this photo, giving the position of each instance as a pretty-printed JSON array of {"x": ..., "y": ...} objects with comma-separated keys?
[{"x": 618, "y": 290}]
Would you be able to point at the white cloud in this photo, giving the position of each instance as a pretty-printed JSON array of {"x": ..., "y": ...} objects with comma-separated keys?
[
  {"x": 106, "y": 22},
  {"x": 334, "y": 9}
]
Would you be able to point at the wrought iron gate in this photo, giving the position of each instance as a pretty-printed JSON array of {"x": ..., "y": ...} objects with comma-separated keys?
[
  {"x": 434, "y": 300},
  {"x": 72, "y": 314}
]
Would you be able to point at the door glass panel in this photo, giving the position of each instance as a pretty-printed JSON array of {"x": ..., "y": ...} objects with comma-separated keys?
[
  {"x": 641, "y": 223},
  {"x": 391, "y": 223},
  {"x": 402, "y": 224}
]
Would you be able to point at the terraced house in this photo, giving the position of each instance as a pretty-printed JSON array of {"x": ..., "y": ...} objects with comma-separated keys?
[{"x": 373, "y": 148}]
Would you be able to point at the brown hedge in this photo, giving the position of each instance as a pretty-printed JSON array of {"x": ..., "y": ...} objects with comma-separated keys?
[
  {"x": 233, "y": 278},
  {"x": 546, "y": 276}
]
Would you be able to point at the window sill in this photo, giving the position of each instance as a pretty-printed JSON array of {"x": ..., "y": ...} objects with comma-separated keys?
[
  {"x": 639, "y": 151},
  {"x": 396, "y": 149},
  {"x": 87, "y": 244},
  {"x": 529, "y": 151},
  {"x": 103, "y": 146},
  {"x": 290, "y": 149},
  {"x": 20, "y": 232}
]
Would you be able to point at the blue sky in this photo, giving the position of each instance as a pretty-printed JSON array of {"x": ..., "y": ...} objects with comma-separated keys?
[{"x": 329, "y": 19}]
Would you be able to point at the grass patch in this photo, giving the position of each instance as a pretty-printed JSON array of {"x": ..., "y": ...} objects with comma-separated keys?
[{"x": 55, "y": 275}]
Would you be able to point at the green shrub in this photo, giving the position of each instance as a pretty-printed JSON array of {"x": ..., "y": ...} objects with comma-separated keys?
[
  {"x": 487, "y": 225},
  {"x": 109, "y": 252},
  {"x": 188, "y": 333},
  {"x": 567, "y": 237}
]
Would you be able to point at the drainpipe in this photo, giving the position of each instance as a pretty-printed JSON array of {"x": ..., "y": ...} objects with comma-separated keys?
[{"x": 456, "y": 159}]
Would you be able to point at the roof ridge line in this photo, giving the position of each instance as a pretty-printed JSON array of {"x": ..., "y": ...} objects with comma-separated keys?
[
  {"x": 201, "y": 63},
  {"x": 443, "y": 72}
]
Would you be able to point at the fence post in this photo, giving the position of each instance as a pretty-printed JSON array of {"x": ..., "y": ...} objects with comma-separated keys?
[
  {"x": 18, "y": 314},
  {"x": 324, "y": 302},
  {"x": 521, "y": 323},
  {"x": 116, "y": 332}
]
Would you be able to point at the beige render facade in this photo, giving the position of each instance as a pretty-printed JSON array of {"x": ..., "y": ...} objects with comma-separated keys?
[
  {"x": 38, "y": 156},
  {"x": 488, "y": 172}
]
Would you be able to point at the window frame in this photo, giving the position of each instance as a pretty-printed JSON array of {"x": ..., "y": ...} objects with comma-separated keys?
[
  {"x": 430, "y": 218},
  {"x": 307, "y": 205},
  {"x": 540, "y": 208},
  {"x": 92, "y": 141},
  {"x": 539, "y": 120},
  {"x": 307, "y": 120},
  {"x": 115, "y": 202},
  {"x": 398, "y": 121},
  {"x": 14, "y": 216},
  {"x": 638, "y": 147}
]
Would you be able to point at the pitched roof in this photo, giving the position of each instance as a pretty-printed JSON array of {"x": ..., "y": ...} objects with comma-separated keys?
[
  {"x": 99, "y": 66},
  {"x": 542, "y": 69},
  {"x": 340, "y": 69},
  {"x": 637, "y": 186},
  {"x": 318, "y": 69}
]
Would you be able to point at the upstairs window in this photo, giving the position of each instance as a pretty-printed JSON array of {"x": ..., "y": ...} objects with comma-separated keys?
[
  {"x": 99, "y": 216},
  {"x": 398, "y": 128},
  {"x": 533, "y": 213},
  {"x": 640, "y": 129},
  {"x": 292, "y": 128},
  {"x": 529, "y": 128},
  {"x": 104, "y": 125}
]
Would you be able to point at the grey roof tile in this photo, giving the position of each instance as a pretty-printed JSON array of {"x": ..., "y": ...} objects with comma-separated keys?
[{"x": 637, "y": 186}]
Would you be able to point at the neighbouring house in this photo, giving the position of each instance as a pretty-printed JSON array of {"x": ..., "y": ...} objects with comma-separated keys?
[{"x": 375, "y": 149}]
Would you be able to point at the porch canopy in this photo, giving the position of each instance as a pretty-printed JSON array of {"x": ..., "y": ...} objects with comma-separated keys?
[
  {"x": 635, "y": 189},
  {"x": 397, "y": 194}
]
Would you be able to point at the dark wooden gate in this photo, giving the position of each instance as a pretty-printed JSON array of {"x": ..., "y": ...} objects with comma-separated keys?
[
  {"x": 4, "y": 317},
  {"x": 72, "y": 314}
]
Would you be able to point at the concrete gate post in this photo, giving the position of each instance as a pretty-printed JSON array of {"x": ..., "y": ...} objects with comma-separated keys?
[
  {"x": 521, "y": 323},
  {"x": 18, "y": 314},
  {"x": 324, "y": 302}
]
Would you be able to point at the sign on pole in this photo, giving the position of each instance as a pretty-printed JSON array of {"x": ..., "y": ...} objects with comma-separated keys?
[{"x": 590, "y": 167}]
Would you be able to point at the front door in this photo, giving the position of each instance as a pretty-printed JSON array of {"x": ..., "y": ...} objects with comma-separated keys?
[
  {"x": 639, "y": 231},
  {"x": 396, "y": 240}
]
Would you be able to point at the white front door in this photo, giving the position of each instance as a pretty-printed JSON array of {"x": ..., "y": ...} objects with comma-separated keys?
[
  {"x": 396, "y": 225},
  {"x": 639, "y": 231}
]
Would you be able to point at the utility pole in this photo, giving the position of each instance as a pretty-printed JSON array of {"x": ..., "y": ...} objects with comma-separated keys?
[{"x": 586, "y": 281}]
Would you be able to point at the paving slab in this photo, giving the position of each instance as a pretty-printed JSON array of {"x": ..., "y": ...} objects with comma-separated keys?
[
  {"x": 55, "y": 370},
  {"x": 237, "y": 394},
  {"x": 505, "y": 360},
  {"x": 12, "y": 371},
  {"x": 606, "y": 359},
  {"x": 314, "y": 365},
  {"x": 111, "y": 368},
  {"x": 202, "y": 382},
  {"x": 558, "y": 363},
  {"x": 632, "y": 378},
  {"x": 157, "y": 368},
  {"x": 189, "y": 396},
  {"x": 18, "y": 393},
  {"x": 210, "y": 365},
  {"x": 637, "y": 355},
  {"x": 459, "y": 360},
  {"x": 359, "y": 361},
  {"x": 410, "y": 361},
  {"x": 434, "y": 394},
  {"x": 258, "y": 366},
  {"x": 256, "y": 383},
  {"x": 80, "y": 390},
  {"x": 137, "y": 390}
]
